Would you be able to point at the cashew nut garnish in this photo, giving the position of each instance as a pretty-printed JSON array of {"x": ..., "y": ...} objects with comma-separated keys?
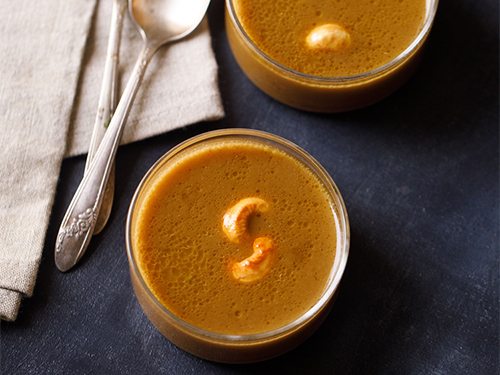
[
  {"x": 236, "y": 218},
  {"x": 329, "y": 36},
  {"x": 256, "y": 265},
  {"x": 235, "y": 226}
]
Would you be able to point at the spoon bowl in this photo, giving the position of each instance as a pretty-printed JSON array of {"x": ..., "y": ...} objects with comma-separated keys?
[{"x": 165, "y": 21}]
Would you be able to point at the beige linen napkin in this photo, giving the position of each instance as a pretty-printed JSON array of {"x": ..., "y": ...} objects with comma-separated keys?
[
  {"x": 52, "y": 58},
  {"x": 180, "y": 86}
]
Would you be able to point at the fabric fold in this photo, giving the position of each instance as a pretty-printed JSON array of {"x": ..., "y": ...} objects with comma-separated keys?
[{"x": 42, "y": 47}]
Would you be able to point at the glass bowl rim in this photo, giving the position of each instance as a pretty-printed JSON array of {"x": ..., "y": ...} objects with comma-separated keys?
[
  {"x": 316, "y": 168},
  {"x": 412, "y": 47}
]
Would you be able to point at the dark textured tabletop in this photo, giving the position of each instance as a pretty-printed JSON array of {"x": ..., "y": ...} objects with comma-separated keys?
[{"x": 419, "y": 173}]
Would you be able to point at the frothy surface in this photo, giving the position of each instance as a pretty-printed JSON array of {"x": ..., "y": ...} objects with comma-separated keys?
[
  {"x": 380, "y": 30},
  {"x": 184, "y": 255}
]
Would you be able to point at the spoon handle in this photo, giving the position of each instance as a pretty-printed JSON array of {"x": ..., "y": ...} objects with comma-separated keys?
[
  {"x": 106, "y": 106},
  {"x": 80, "y": 219}
]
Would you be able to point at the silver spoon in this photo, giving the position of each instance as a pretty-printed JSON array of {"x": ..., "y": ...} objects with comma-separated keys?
[
  {"x": 159, "y": 22},
  {"x": 106, "y": 106}
]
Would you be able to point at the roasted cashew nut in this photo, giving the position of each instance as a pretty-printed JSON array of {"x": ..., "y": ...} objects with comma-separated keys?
[
  {"x": 329, "y": 36},
  {"x": 256, "y": 265},
  {"x": 235, "y": 226},
  {"x": 235, "y": 220}
]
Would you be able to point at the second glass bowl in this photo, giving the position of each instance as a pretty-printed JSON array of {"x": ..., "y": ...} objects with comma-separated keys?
[{"x": 321, "y": 94}]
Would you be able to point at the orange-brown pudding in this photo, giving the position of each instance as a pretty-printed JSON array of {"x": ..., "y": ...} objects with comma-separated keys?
[
  {"x": 237, "y": 236},
  {"x": 328, "y": 55},
  {"x": 184, "y": 254},
  {"x": 379, "y": 30}
]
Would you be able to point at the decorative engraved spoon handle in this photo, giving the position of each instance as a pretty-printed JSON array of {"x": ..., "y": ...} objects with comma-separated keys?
[
  {"x": 106, "y": 106},
  {"x": 80, "y": 219}
]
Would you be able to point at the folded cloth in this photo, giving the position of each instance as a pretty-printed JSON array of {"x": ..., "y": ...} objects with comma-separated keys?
[
  {"x": 52, "y": 63},
  {"x": 179, "y": 88}
]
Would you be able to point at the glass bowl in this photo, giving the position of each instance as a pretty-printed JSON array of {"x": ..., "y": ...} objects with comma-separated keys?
[
  {"x": 323, "y": 94},
  {"x": 246, "y": 347}
]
